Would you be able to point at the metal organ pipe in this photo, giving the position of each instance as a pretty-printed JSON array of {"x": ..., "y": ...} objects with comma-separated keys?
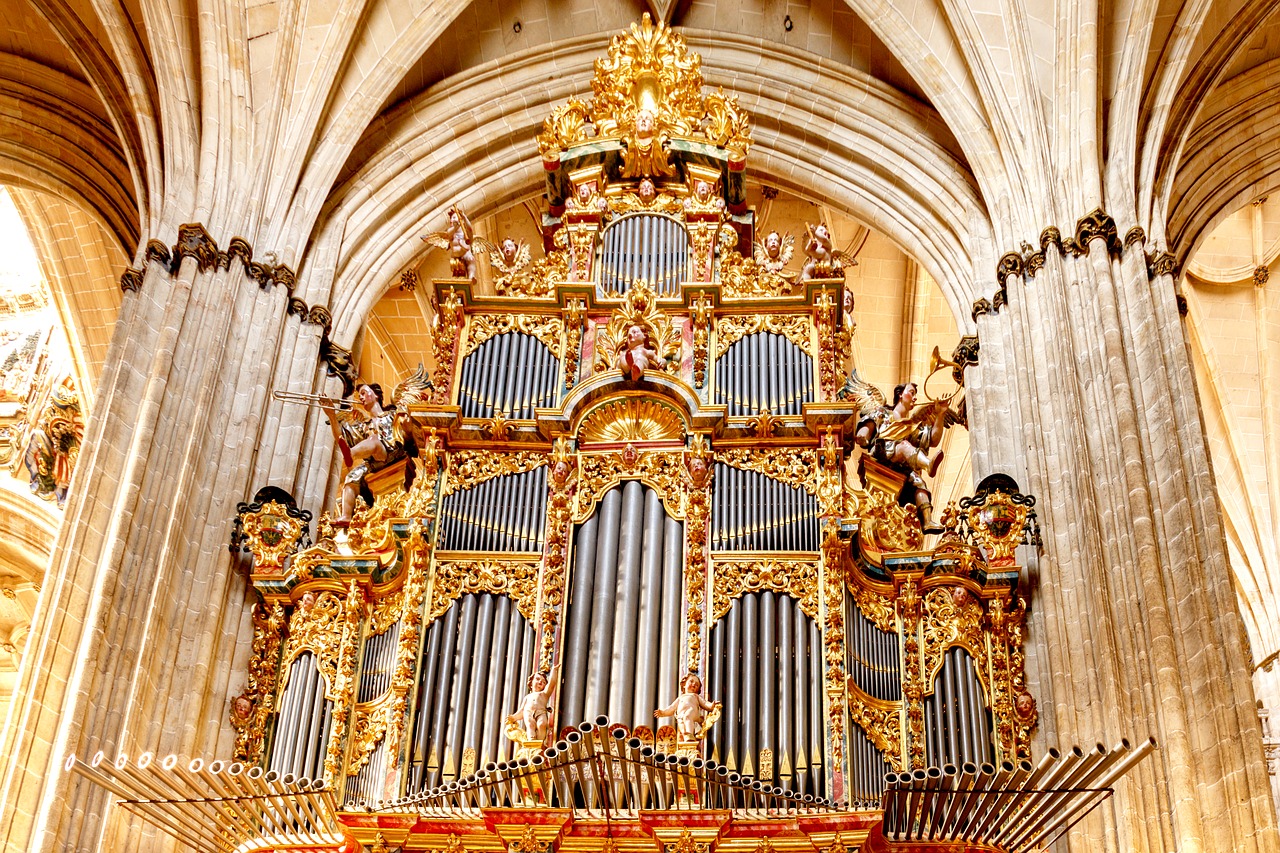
[
  {"x": 462, "y": 678},
  {"x": 815, "y": 711},
  {"x": 733, "y": 686},
  {"x": 575, "y": 667},
  {"x": 800, "y": 733},
  {"x": 768, "y": 684},
  {"x": 511, "y": 691},
  {"x": 632, "y": 536},
  {"x": 750, "y": 685},
  {"x": 672, "y": 590},
  {"x": 495, "y": 662},
  {"x": 650, "y": 615},
  {"x": 782, "y": 758},
  {"x": 602, "y": 606}
]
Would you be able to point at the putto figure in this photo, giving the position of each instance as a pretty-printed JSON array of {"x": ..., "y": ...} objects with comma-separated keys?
[
  {"x": 457, "y": 239},
  {"x": 691, "y": 710},
  {"x": 645, "y": 155},
  {"x": 636, "y": 356},
  {"x": 534, "y": 714},
  {"x": 509, "y": 259},
  {"x": 774, "y": 251},
  {"x": 823, "y": 260}
]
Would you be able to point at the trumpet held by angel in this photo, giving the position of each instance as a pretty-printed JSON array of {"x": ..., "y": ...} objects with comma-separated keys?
[{"x": 457, "y": 240}]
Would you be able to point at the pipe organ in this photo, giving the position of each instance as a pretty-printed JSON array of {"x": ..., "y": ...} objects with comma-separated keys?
[{"x": 641, "y": 502}]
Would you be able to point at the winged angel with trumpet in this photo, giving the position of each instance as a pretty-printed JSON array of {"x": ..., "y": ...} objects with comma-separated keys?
[
  {"x": 902, "y": 436},
  {"x": 370, "y": 434}
]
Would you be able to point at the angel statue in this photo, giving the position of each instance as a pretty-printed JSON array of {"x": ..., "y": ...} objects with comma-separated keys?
[
  {"x": 902, "y": 436},
  {"x": 823, "y": 260},
  {"x": 509, "y": 259},
  {"x": 457, "y": 239},
  {"x": 774, "y": 251},
  {"x": 635, "y": 355},
  {"x": 369, "y": 433},
  {"x": 532, "y": 718},
  {"x": 691, "y": 710}
]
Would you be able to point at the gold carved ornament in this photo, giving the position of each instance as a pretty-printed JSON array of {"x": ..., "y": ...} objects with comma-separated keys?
[
  {"x": 649, "y": 69},
  {"x": 885, "y": 526},
  {"x": 575, "y": 312},
  {"x": 417, "y": 549},
  {"x": 797, "y": 467},
  {"x": 686, "y": 844},
  {"x": 639, "y": 308},
  {"x": 563, "y": 481},
  {"x": 735, "y": 578},
  {"x": 345, "y": 684},
  {"x": 482, "y": 327},
  {"x": 824, "y": 321},
  {"x": 251, "y": 709},
  {"x": 697, "y": 487},
  {"x": 661, "y": 470},
  {"x": 701, "y": 313},
  {"x": 470, "y": 468},
  {"x": 517, "y": 579},
  {"x": 909, "y": 607},
  {"x": 881, "y": 721},
  {"x": 731, "y": 329},
  {"x": 316, "y": 625},
  {"x": 742, "y": 277},
  {"x": 631, "y": 419},
  {"x": 444, "y": 342},
  {"x": 271, "y": 534},
  {"x": 1013, "y": 706},
  {"x": 833, "y": 573}
]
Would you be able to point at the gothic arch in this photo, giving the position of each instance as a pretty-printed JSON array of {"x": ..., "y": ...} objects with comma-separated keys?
[{"x": 820, "y": 132}]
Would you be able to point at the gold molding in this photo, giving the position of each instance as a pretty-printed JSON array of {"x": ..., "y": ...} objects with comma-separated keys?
[
  {"x": 482, "y": 327},
  {"x": 516, "y": 579},
  {"x": 734, "y": 578},
  {"x": 733, "y": 328},
  {"x": 470, "y": 468},
  {"x": 662, "y": 470},
  {"x": 795, "y": 466}
]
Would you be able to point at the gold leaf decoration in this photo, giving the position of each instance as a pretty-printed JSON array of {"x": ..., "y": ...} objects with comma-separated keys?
[
  {"x": 796, "y": 578},
  {"x": 517, "y": 579},
  {"x": 631, "y": 419},
  {"x": 731, "y": 329},
  {"x": 482, "y": 327},
  {"x": 791, "y": 465},
  {"x": 470, "y": 468}
]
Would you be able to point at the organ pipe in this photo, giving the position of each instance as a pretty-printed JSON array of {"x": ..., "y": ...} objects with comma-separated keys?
[
  {"x": 650, "y": 616},
  {"x": 602, "y": 606},
  {"x": 461, "y": 681},
  {"x": 768, "y": 686},
  {"x": 634, "y": 532}
]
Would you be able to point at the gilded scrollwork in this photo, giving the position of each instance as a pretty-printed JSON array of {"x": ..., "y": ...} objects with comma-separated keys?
[
  {"x": 908, "y": 603},
  {"x": 877, "y": 608},
  {"x": 316, "y": 625},
  {"x": 367, "y": 731},
  {"x": 662, "y": 470},
  {"x": 417, "y": 550},
  {"x": 444, "y": 340},
  {"x": 470, "y": 468},
  {"x": 952, "y": 617},
  {"x": 344, "y": 683},
  {"x": 517, "y": 579},
  {"x": 830, "y": 503},
  {"x": 575, "y": 312},
  {"x": 251, "y": 709},
  {"x": 697, "y": 488},
  {"x": 631, "y": 419},
  {"x": 796, "y": 578},
  {"x": 563, "y": 480},
  {"x": 700, "y": 310},
  {"x": 482, "y": 327},
  {"x": 746, "y": 278},
  {"x": 824, "y": 321},
  {"x": 880, "y": 720},
  {"x": 797, "y": 467},
  {"x": 733, "y": 328},
  {"x": 885, "y": 526}
]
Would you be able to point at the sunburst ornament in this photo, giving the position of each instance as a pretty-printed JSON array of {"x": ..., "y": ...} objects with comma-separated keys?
[{"x": 631, "y": 420}]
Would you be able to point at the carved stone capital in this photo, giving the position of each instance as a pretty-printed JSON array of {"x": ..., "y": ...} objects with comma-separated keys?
[{"x": 981, "y": 306}]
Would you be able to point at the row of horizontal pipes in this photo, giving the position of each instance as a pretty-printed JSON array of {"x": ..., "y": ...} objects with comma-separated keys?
[
  {"x": 764, "y": 372},
  {"x": 623, "y": 615},
  {"x": 505, "y": 513},
  {"x": 754, "y": 512},
  {"x": 218, "y": 805},
  {"x": 304, "y": 722},
  {"x": 475, "y": 670},
  {"x": 1015, "y": 808},
  {"x": 512, "y": 374},
  {"x": 765, "y": 667},
  {"x": 599, "y": 769},
  {"x": 644, "y": 246}
]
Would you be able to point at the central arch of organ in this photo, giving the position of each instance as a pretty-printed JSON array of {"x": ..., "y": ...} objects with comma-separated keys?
[{"x": 637, "y": 459}]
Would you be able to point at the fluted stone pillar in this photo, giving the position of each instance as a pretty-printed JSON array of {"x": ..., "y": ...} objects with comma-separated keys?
[
  {"x": 141, "y": 633},
  {"x": 1085, "y": 389}
]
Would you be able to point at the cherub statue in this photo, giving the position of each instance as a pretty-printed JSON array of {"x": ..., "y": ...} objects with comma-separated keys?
[
  {"x": 457, "y": 239},
  {"x": 902, "y": 436},
  {"x": 635, "y": 355},
  {"x": 703, "y": 199},
  {"x": 534, "y": 714},
  {"x": 691, "y": 710},
  {"x": 587, "y": 200},
  {"x": 370, "y": 436},
  {"x": 824, "y": 261},
  {"x": 509, "y": 259},
  {"x": 774, "y": 251},
  {"x": 645, "y": 155}
]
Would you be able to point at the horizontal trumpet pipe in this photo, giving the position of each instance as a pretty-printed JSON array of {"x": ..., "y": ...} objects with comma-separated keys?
[{"x": 312, "y": 400}]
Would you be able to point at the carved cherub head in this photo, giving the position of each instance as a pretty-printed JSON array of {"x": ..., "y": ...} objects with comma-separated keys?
[
  {"x": 647, "y": 191},
  {"x": 644, "y": 122},
  {"x": 702, "y": 190},
  {"x": 773, "y": 245},
  {"x": 509, "y": 249},
  {"x": 692, "y": 684},
  {"x": 636, "y": 336}
]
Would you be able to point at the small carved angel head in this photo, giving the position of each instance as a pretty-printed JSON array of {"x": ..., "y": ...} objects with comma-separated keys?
[
  {"x": 773, "y": 244},
  {"x": 241, "y": 709},
  {"x": 821, "y": 232},
  {"x": 702, "y": 190},
  {"x": 538, "y": 681},
  {"x": 692, "y": 684},
  {"x": 647, "y": 191},
  {"x": 636, "y": 336},
  {"x": 308, "y": 600},
  {"x": 1024, "y": 705},
  {"x": 509, "y": 249},
  {"x": 644, "y": 122}
]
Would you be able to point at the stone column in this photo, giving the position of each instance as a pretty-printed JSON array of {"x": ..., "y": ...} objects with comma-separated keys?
[
  {"x": 142, "y": 625},
  {"x": 1134, "y": 623}
]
